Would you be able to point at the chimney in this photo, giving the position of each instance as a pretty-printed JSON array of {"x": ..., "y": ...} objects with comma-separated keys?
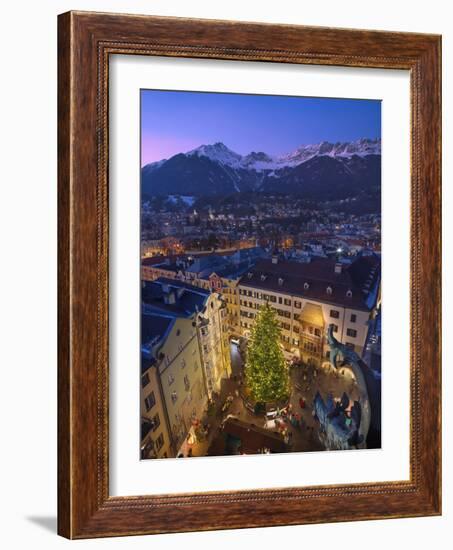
[
  {"x": 275, "y": 256},
  {"x": 170, "y": 297},
  {"x": 179, "y": 292},
  {"x": 338, "y": 268}
]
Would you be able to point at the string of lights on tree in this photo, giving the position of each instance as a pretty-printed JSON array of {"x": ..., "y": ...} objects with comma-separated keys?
[{"x": 267, "y": 374}]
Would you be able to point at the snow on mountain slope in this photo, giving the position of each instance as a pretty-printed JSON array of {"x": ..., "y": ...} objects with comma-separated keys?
[
  {"x": 361, "y": 147},
  {"x": 335, "y": 170},
  {"x": 220, "y": 153},
  {"x": 217, "y": 152}
]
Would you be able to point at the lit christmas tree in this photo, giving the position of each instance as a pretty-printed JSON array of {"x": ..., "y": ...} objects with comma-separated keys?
[{"x": 267, "y": 375}]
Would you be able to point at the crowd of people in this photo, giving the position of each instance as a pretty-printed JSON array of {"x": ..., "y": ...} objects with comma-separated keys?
[{"x": 289, "y": 420}]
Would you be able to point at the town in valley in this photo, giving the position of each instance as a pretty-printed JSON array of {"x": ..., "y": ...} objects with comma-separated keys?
[{"x": 261, "y": 301}]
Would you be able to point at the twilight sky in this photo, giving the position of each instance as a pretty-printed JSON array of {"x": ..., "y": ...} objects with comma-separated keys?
[{"x": 176, "y": 122}]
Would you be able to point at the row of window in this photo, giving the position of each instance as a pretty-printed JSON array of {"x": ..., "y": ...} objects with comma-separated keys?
[
  {"x": 283, "y": 313},
  {"x": 309, "y": 346},
  {"x": 315, "y": 331},
  {"x": 335, "y": 314},
  {"x": 349, "y": 331},
  {"x": 269, "y": 297},
  {"x": 272, "y": 298},
  {"x": 171, "y": 378},
  {"x": 248, "y": 314}
]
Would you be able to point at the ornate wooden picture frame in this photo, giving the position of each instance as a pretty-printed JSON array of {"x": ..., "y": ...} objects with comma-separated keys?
[{"x": 85, "y": 507}]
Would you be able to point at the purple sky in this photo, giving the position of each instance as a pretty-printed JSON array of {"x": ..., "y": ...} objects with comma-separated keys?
[{"x": 176, "y": 122}]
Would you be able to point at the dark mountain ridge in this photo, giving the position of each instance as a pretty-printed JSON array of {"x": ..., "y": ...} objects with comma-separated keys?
[{"x": 327, "y": 172}]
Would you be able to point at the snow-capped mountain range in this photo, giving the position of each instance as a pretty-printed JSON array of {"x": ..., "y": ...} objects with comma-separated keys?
[
  {"x": 217, "y": 170},
  {"x": 219, "y": 152}
]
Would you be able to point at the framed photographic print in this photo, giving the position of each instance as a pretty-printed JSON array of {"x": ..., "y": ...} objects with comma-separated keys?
[{"x": 249, "y": 275}]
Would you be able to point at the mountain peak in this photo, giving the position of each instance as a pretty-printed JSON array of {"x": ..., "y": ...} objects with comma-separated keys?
[
  {"x": 255, "y": 157},
  {"x": 360, "y": 147},
  {"x": 217, "y": 152},
  {"x": 321, "y": 171},
  {"x": 258, "y": 160}
]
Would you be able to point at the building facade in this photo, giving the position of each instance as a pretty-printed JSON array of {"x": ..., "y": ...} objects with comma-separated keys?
[
  {"x": 214, "y": 343},
  {"x": 217, "y": 273},
  {"x": 155, "y": 437},
  {"x": 308, "y": 297},
  {"x": 185, "y": 356},
  {"x": 174, "y": 380}
]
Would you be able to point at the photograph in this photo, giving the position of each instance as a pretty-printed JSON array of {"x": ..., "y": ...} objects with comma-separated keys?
[{"x": 260, "y": 261}]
